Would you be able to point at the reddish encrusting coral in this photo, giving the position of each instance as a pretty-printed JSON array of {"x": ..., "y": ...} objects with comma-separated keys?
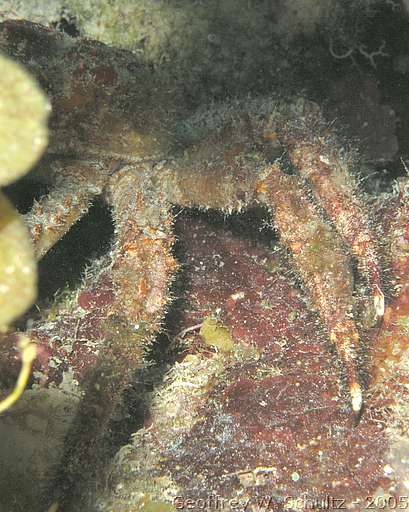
[
  {"x": 69, "y": 342},
  {"x": 280, "y": 437},
  {"x": 277, "y": 426}
]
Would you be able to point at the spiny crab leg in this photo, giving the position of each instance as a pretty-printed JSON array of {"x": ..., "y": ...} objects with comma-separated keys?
[
  {"x": 141, "y": 269},
  {"x": 143, "y": 265},
  {"x": 335, "y": 189},
  {"x": 75, "y": 186},
  {"x": 320, "y": 260}
]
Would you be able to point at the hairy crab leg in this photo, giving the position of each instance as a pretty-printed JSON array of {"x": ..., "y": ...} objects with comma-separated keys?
[
  {"x": 142, "y": 268},
  {"x": 53, "y": 215},
  {"x": 143, "y": 265},
  {"x": 322, "y": 264},
  {"x": 336, "y": 189}
]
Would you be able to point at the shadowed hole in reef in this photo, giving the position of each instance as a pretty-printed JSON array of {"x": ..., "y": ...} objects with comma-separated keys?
[{"x": 64, "y": 265}]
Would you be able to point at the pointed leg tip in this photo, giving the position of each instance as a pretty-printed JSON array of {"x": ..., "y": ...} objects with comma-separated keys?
[
  {"x": 356, "y": 401},
  {"x": 379, "y": 302}
]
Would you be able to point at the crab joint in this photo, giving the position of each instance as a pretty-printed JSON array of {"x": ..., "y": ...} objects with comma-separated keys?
[{"x": 28, "y": 354}]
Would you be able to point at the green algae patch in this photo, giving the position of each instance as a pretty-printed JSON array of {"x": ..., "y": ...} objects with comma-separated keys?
[
  {"x": 23, "y": 137},
  {"x": 214, "y": 333},
  {"x": 18, "y": 273},
  {"x": 23, "y": 121}
]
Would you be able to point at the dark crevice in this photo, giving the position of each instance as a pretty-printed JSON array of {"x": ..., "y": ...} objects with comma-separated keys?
[{"x": 63, "y": 266}]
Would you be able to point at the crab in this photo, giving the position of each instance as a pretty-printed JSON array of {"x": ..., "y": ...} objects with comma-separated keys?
[{"x": 121, "y": 131}]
